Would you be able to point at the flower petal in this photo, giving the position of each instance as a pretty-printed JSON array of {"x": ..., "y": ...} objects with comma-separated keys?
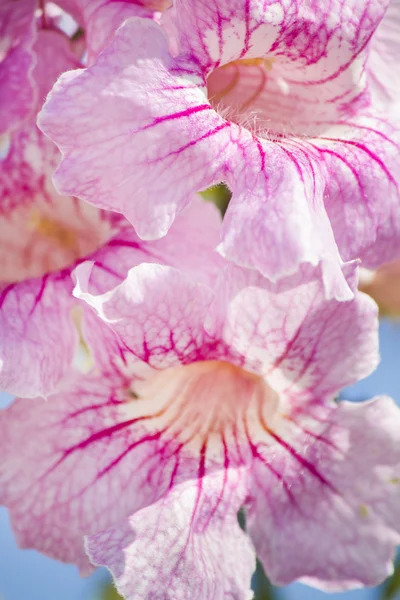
[
  {"x": 157, "y": 312},
  {"x": 314, "y": 44},
  {"x": 188, "y": 543},
  {"x": 278, "y": 194},
  {"x": 103, "y": 24},
  {"x": 189, "y": 246},
  {"x": 85, "y": 464},
  {"x": 38, "y": 339},
  {"x": 363, "y": 195},
  {"x": 305, "y": 346},
  {"x": 382, "y": 61},
  {"x": 333, "y": 491},
  {"x": 125, "y": 164}
]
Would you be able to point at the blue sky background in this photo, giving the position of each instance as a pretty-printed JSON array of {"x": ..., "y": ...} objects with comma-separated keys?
[{"x": 27, "y": 575}]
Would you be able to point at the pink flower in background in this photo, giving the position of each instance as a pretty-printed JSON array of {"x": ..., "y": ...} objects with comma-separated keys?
[
  {"x": 42, "y": 234},
  {"x": 100, "y": 19},
  {"x": 210, "y": 397},
  {"x": 16, "y": 64},
  {"x": 272, "y": 98},
  {"x": 45, "y": 235}
]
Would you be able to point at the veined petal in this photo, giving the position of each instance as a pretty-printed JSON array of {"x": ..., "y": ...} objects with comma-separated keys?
[
  {"x": 161, "y": 105},
  {"x": 330, "y": 486},
  {"x": 83, "y": 466},
  {"x": 151, "y": 211},
  {"x": 189, "y": 246},
  {"x": 318, "y": 348},
  {"x": 363, "y": 197},
  {"x": 278, "y": 194},
  {"x": 188, "y": 543},
  {"x": 319, "y": 41},
  {"x": 38, "y": 340},
  {"x": 41, "y": 232},
  {"x": 157, "y": 312},
  {"x": 382, "y": 62},
  {"x": 163, "y": 175}
]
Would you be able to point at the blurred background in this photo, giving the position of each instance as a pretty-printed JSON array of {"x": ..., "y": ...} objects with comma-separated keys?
[{"x": 27, "y": 575}]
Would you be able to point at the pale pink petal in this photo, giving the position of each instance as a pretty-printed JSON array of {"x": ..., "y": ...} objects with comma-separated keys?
[
  {"x": 17, "y": 34},
  {"x": 101, "y": 449},
  {"x": 314, "y": 44},
  {"x": 158, "y": 313},
  {"x": 188, "y": 543},
  {"x": 304, "y": 346},
  {"x": 100, "y": 19},
  {"x": 350, "y": 163},
  {"x": 38, "y": 339},
  {"x": 83, "y": 466},
  {"x": 41, "y": 232},
  {"x": 276, "y": 220},
  {"x": 280, "y": 185},
  {"x": 382, "y": 62},
  {"x": 123, "y": 163},
  {"x": 258, "y": 95},
  {"x": 43, "y": 235},
  {"x": 325, "y": 500},
  {"x": 361, "y": 159},
  {"x": 255, "y": 396},
  {"x": 188, "y": 246}
]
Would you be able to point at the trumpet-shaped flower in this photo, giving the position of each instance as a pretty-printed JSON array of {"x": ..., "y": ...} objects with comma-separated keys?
[
  {"x": 273, "y": 98},
  {"x": 211, "y": 395}
]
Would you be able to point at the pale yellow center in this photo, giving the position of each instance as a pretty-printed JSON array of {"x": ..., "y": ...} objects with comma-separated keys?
[
  {"x": 55, "y": 232},
  {"x": 203, "y": 402}
]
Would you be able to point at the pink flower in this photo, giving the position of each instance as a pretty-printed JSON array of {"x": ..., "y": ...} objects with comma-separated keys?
[
  {"x": 211, "y": 395},
  {"x": 272, "y": 99},
  {"x": 42, "y": 233}
]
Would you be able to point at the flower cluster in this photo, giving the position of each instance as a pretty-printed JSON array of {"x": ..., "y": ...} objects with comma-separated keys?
[{"x": 174, "y": 367}]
